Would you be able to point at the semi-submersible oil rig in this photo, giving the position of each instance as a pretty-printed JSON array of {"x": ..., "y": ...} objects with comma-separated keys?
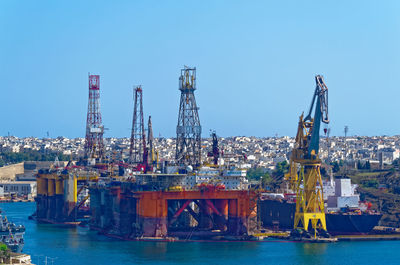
[
  {"x": 187, "y": 198},
  {"x": 143, "y": 198}
]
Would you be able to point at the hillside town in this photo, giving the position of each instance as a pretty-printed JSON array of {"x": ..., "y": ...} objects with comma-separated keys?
[{"x": 250, "y": 152}]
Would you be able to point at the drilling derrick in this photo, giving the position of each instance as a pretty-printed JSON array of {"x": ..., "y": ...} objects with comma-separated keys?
[
  {"x": 304, "y": 174},
  {"x": 188, "y": 130},
  {"x": 138, "y": 150},
  {"x": 94, "y": 146}
]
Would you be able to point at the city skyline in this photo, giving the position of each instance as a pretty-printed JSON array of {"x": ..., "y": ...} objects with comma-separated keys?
[{"x": 255, "y": 63}]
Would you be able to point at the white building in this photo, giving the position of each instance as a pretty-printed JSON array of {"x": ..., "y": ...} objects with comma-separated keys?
[
  {"x": 344, "y": 195},
  {"x": 19, "y": 187}
]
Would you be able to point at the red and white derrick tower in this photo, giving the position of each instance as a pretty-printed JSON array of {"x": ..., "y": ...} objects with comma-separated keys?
[
  {"x": 138, "y": 150},
  {"x": 94, "y": 146}
]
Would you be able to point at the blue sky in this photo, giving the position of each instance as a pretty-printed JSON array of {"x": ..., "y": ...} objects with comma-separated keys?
[{"x": 256, "y": 62}]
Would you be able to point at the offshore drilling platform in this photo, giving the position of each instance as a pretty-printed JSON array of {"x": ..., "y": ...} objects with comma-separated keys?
[
  {"x": 140, "y": 198},
  {"x": 188, "y": 199}
]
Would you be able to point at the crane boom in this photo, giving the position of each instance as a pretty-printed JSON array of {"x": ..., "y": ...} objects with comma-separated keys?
[
  {"x": 304, "y": 174},
  {"x": 320, "y": 113}
]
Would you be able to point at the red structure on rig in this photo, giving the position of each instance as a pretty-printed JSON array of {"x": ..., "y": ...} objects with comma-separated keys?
[
  {"x": 138, "y": 152},
  {"x": 94, "y": 146}
]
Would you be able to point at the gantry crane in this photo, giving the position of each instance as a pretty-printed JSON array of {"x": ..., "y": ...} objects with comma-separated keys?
[{"x": 304, "y": 174}]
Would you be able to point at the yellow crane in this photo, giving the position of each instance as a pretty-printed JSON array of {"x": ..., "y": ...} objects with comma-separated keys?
[{"x": 304, "y": 174}]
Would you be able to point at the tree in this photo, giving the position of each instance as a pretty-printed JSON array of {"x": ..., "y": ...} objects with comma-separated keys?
[
  {"x": 281, "y": 168},
  {"x": 256, "y": 173},
  {"x": 370, "y": 183},
  {"x": 323, "y": 171},
  {"x": 5, "y": 253},
  {"x": 335, "y": 167},
  {"x": 30, "y": 155},
  {"x": 266, "y": 180},
  {"x": 367, "y": 165}
]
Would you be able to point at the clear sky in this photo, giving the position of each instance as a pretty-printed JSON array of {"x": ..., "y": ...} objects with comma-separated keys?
[{"x": 256, "y": 62}]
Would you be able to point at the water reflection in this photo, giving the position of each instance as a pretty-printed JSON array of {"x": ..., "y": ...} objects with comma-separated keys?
[
  {"x": 311, "y": 253},
  {"x": 82, "y": 246}
]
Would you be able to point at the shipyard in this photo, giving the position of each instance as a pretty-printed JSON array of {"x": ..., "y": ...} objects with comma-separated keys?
[
  {"x": 141, "y": 196},
  {"x": 212, "y": 132},
  {"x": 205, "y": 193}
]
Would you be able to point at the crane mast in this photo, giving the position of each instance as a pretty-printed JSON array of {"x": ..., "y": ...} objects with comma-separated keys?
[
  {"x": 304, "y": 175},
  {"x": 152, "y": 153}
]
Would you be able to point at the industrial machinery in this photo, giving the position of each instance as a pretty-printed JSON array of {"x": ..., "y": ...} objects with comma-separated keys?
[
  {"x": 215, "y": 152},
  {"x": 141, "y": 203},
  {"x": 304, "y": 174},
  {"x": 188, "y": 130},
  {"x": 138, "y": 152},
  {"x": 94, "y": 146},
  {"x": 152, "y": 153}
]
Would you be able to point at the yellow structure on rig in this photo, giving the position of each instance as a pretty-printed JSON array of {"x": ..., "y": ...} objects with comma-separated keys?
[
  {"x": 304, "y": 175},
  {"x": 58, "y": 191}
]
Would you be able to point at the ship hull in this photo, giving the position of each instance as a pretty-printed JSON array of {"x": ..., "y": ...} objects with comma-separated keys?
[{"x": 280, "y": 215}]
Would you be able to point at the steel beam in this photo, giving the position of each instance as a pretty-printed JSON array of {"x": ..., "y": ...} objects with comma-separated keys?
[{"x": 176, "y": 215}]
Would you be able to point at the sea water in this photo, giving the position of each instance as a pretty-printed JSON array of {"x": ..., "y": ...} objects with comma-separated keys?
[{"x": 81, "y": 246}]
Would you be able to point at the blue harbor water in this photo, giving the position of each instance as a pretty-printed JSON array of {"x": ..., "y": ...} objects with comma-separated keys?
[{"x": 82, "y": 246}]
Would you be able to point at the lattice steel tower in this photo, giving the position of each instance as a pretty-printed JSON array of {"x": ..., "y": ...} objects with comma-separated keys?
[
  {"x": 94, "y": 146},
  {"x": 188, "y": 130},
  {"x": 138, "y": 139}
]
